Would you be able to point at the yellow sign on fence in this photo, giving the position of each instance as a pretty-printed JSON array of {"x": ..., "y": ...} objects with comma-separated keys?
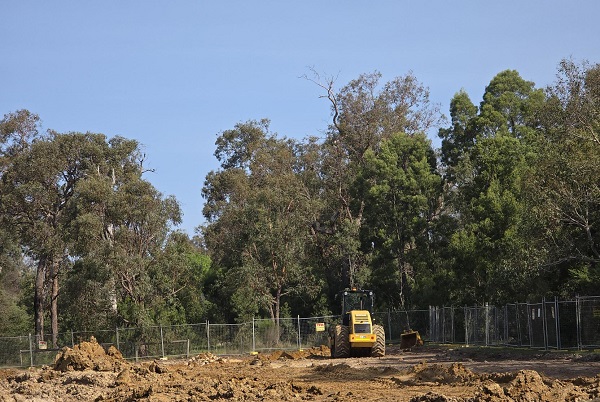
[{"x": 320, "y": 326}]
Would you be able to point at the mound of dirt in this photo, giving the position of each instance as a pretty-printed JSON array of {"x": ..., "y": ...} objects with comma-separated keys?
[
  {"x": 77, "y": 376},
  {"x": 322, "y": 351},
  {"x": 433, "y": 397},
  {"x": 529, "y": 385},
  {"x": 89, "y": 356},
  {"x": 204, "y": 358},
  {"x": 442, "y": 374}
]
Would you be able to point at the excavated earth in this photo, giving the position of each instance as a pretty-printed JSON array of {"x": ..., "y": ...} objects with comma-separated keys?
[{"x": 429, "y": 373}]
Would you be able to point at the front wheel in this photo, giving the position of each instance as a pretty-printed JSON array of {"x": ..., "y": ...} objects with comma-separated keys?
[
  {"x": 341, "y": 342},
  {"x": 378, "y": 349}
]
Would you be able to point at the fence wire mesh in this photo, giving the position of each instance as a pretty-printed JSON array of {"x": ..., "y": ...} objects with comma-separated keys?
[{"x": 549, "y": 324}]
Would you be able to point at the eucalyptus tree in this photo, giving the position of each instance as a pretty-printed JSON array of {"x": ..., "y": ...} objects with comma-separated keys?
[
  {"x": 565, "y": 189},
  {"x": 38, "y": 187},
  {"x": 365, "y": 113},
  {"x": 259, "y": 209},
  {"x": 78, "y": 206},
  {"x": 119, "y": 226},
  {"x": 17, "y": 131},
  {"x": 401, "y": 188},
  {"x": 487, "y": 155}
]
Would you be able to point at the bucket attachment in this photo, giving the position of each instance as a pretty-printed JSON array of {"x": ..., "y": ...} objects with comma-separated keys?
[{"x": 410, "y": 339}]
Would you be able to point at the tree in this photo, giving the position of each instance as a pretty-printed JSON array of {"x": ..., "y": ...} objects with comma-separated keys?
[
  {"x": 365, "y": 113},
  {"x": 13, "y": 278},
  {"x": 401, "y": 190},
  {"x": 486, "y": 156},
  {"x": 459, "y": 139},
  {"x": 565, "y": 184},
  {"x": 259, "y": 209},
  {"x": 79, "y": 207}
]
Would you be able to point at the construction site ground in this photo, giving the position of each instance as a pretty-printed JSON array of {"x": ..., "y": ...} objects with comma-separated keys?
[{"x": 427, "y": 373}]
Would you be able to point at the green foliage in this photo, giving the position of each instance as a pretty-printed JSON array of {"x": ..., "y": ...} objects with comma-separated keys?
[
  {"x": 401, "y": 190},
  {"x": 565, "y": 191},
  {"x": 507, "y": 209},
  {"x": 487, "y": 157},
  {"x": 259, "y": 210}
]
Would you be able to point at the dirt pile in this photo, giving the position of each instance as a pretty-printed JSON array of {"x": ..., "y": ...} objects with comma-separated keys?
[
  {"x": 316, "y": 352},
  {"x": 523, "y": 386},
  {"x": 89, "y": 356},
  {"x": 442, "y": 373},
  {"x": 204, "y": 358},
  {"x": 88, "y": 372},
  {"x": 529, "y": 385}
]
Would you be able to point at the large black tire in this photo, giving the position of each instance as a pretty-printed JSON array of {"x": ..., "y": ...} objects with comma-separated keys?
[
  {"x": 378, "y": 349},
  {"x": 341, "y": 342}
]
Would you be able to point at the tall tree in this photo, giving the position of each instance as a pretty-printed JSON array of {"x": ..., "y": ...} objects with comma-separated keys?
[
  {"x": 565, "y": 190},
  {"x": 486, "y": 157},
  {"x": 365, "y": 113},
  {"x": 259, "y": 209},
  {"x": 401, "y": 190}
]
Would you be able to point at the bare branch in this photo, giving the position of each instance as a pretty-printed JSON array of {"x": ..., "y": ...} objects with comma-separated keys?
[{"x": 328, "y": 86}]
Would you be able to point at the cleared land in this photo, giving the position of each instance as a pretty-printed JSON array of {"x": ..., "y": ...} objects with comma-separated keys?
[{"x": 428, "y": 373}]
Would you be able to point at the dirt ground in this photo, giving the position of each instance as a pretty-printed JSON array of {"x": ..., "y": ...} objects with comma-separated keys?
[{"x": 428, "y": 373}]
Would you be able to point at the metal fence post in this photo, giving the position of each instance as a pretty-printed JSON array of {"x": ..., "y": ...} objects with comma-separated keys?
[
  {"x": 162, "y": 342},
  {"x": 389, "y": 331},
  {"x": 452, "y": 322},
  {"x": 299, "y": 341},
  {"x": 253, "y": 336},
  {"x": 117, "y": 337},
  {"x": 476, "y": 326},
  {"x": 30, "y": 351},
  {"x": 518, "y": 318},
  {"x": 466, "y": 327},
  {"x": 506, "y": 324},
  {"x": 487, "y": 324},
  {"x": 72, "y": 340},
  {"x": 529, "y": 328},
  {"x": 544, "y": 323},
  {"x": 557, "y": 323},
  {"x": 578, "y": 320},
  {"x": 208, "y": 335}
]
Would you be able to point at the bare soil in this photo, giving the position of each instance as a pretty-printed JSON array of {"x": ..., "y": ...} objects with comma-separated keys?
[{"x": 428, "y": 373}]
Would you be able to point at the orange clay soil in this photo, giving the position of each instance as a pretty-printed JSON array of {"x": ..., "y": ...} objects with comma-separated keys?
[{"x": 429, "y": 373}]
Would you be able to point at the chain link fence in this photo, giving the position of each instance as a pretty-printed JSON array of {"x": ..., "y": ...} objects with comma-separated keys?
[
  {"x": 573, "y": 324},
  {"x": 555, "y": 324}
]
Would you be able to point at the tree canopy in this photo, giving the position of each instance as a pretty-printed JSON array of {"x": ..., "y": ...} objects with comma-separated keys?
[{"x": 506, "y": 209}]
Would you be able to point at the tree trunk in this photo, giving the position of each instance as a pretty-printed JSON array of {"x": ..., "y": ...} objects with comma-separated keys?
[
  {"x": 38, "y": 299},
  {"x": 277, "y": 313},
  {"x": 54, "y": 303}
]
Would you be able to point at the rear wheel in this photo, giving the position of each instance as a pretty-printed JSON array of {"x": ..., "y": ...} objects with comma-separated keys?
[
  {"x": 378, "y": 349},
  {"x": 341, "y": 342}
]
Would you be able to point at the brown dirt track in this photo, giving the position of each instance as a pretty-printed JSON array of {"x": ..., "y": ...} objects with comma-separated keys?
[{"x": 428, "y": 373}]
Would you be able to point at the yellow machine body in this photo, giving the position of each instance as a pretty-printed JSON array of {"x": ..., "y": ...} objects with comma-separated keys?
[
  {"x": 361, "y": 329},
  {"x": 357, "y": 335}
]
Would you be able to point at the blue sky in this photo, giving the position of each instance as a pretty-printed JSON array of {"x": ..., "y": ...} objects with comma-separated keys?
[{"x": 174, "y": 74}]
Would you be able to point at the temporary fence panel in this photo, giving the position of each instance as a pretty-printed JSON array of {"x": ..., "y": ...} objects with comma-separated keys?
[
  {"x": 270, "y": 334},
  {"x": 589, "y": 322},
  {"x": 313, "y": 331},
  {"x": 16, "y": 351},
  {"x": 550, "y": 324},
  {"x": 568, "y": 327}
]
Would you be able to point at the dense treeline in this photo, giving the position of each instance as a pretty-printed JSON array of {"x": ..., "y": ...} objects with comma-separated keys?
[{"x": 507, "y": 209}]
